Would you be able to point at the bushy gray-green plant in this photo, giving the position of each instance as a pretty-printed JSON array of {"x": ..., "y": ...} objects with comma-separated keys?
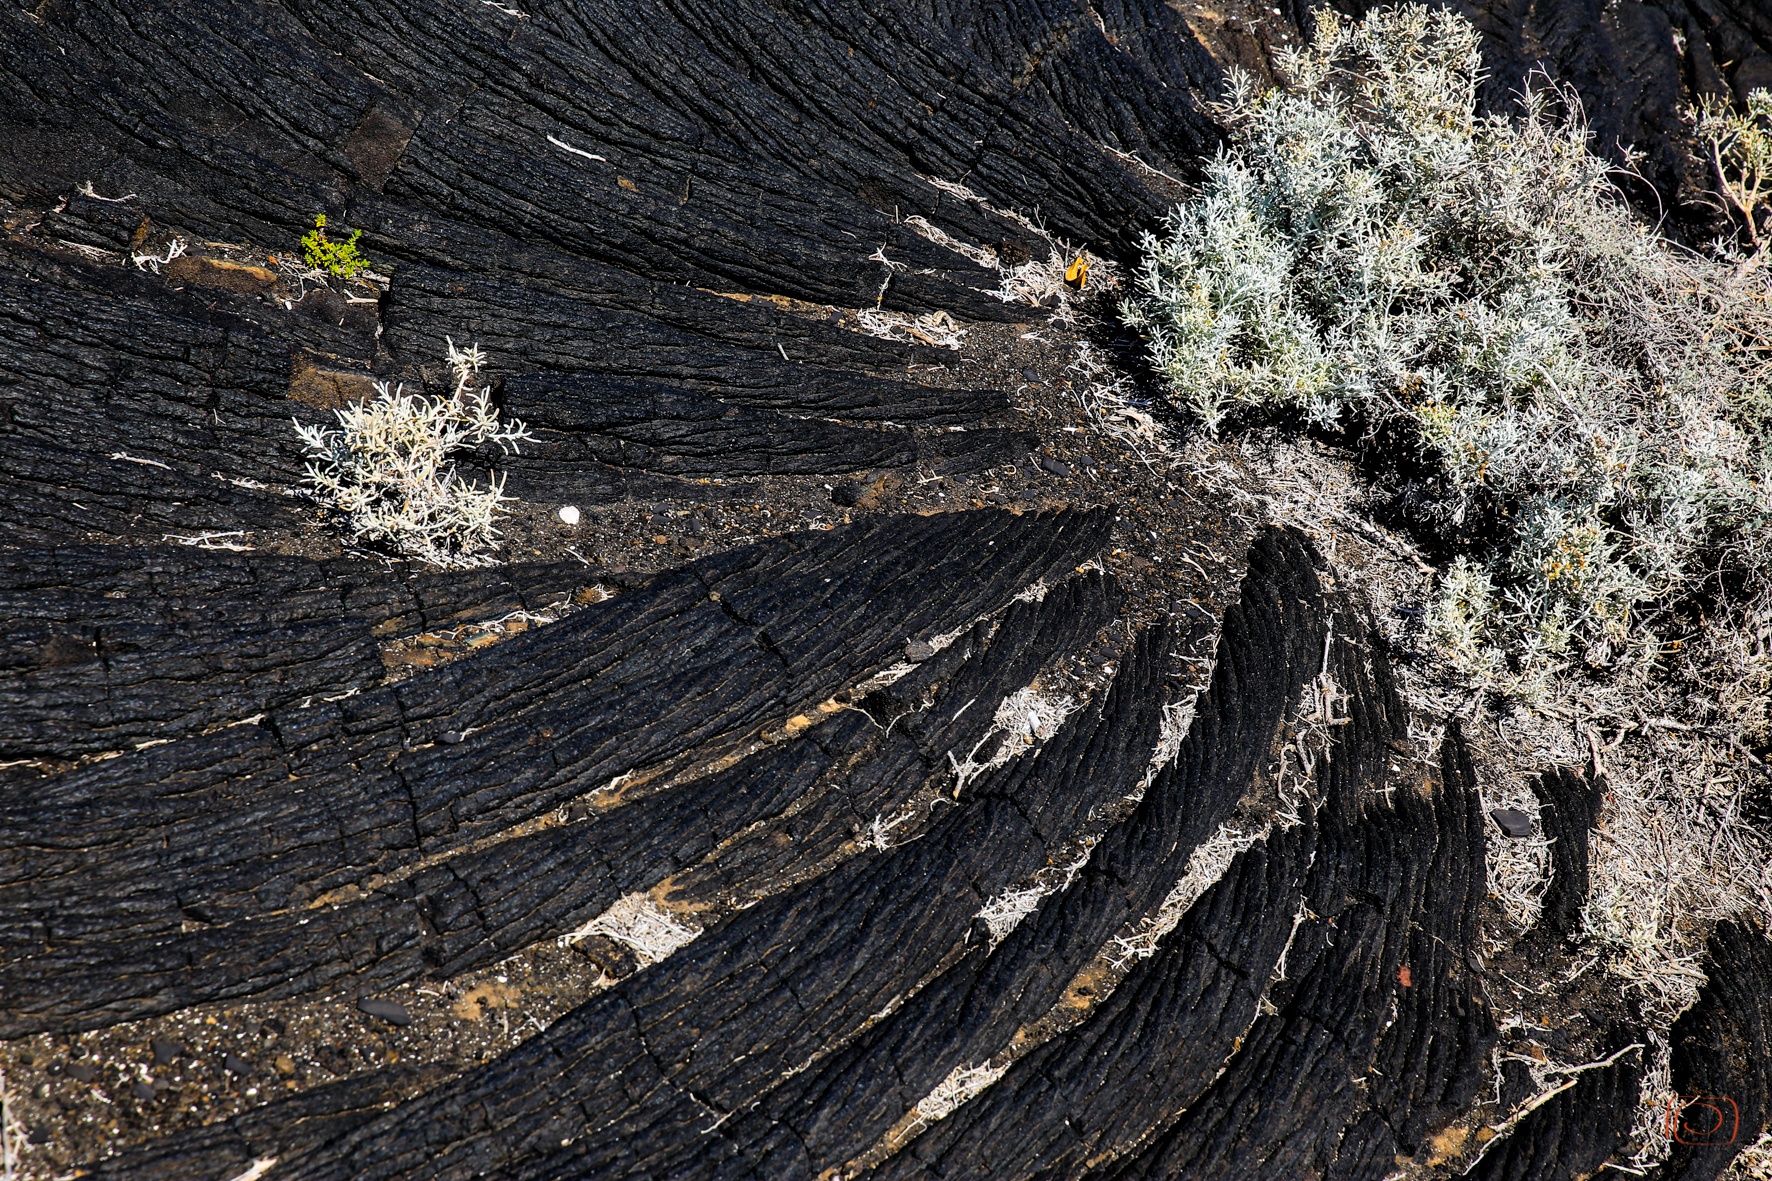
[{"x": 1371, "y": 252}]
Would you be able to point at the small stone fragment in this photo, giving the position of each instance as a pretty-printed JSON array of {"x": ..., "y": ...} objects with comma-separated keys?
[
  {"x": 452, "y": 737},
  {"x": 917, "y": 651},
  {"x": 1055, "y": 466},
  {"x": 285, "y": 1064},
  {"x": 848, "y": 494},
  {"x": 234, "y": 1064},
  {"x": 165, "y": 1052},
  {"x": 1030, "y": 374},
  {"x": 1513, "y": 822},
  {"x": 392, "y": 1012},
  {"x": 569, "y": 514},
  {"x": 143, "y": 1091},
  {"x": 82, "y": 1072}
]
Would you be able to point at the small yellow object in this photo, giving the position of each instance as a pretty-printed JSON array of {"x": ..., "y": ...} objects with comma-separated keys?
[{"x": 1077, "y": 273}]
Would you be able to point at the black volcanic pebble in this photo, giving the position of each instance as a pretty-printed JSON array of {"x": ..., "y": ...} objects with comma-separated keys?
[
  {"x": 1513, "y": 822},
  {"x": 392, "y": 1012}
]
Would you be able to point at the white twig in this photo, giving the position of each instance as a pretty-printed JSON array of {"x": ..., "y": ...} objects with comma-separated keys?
[
  {"x": 149, "y": 261},
  {"x": 209, "y": 540},
  {"x": 563, "y": 145},
  {"x": 85, "y": 189},
  {"x": 126, "y": 457}
]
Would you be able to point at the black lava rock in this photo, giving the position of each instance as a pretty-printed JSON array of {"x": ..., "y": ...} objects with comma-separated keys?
[
  {"x": 392, "y": 1012},
  {"x": 1513, "y": 822}
]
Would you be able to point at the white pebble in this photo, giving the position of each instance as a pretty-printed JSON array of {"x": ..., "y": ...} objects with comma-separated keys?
[{"x": 569, "y": 514}]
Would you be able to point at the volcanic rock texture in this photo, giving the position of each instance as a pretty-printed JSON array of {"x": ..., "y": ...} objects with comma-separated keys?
[{"x": 876, "y": 782}]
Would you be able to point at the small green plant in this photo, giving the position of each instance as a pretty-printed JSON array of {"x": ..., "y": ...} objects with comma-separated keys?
[
  {"x": 1575, "y": 404},
  {"x": 338, "y": 259},
  {"x": 388, "y": 467}
]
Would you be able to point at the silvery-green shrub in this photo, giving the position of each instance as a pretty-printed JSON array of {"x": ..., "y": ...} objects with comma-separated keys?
[{"x": 1590, "y": 402}]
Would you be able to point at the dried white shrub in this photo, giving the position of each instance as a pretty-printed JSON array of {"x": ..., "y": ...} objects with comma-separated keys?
[
  {"x": 1005, "y": 911},
  {"x": 1754, "y": 1163},
  {"x": 933, "y": 328},
  {"x": 1519, "y": 868},
  {"x": 640, "y": 924},
  {"x": 389, "y": 467},
  {"x": 1108, "y": 397},
  {"x": 1055, "y": 281},
  {"x": 1024, "y": 720},
  {"x": 961, "y": 1086},
  {"x": 1208, "y": 863}
]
